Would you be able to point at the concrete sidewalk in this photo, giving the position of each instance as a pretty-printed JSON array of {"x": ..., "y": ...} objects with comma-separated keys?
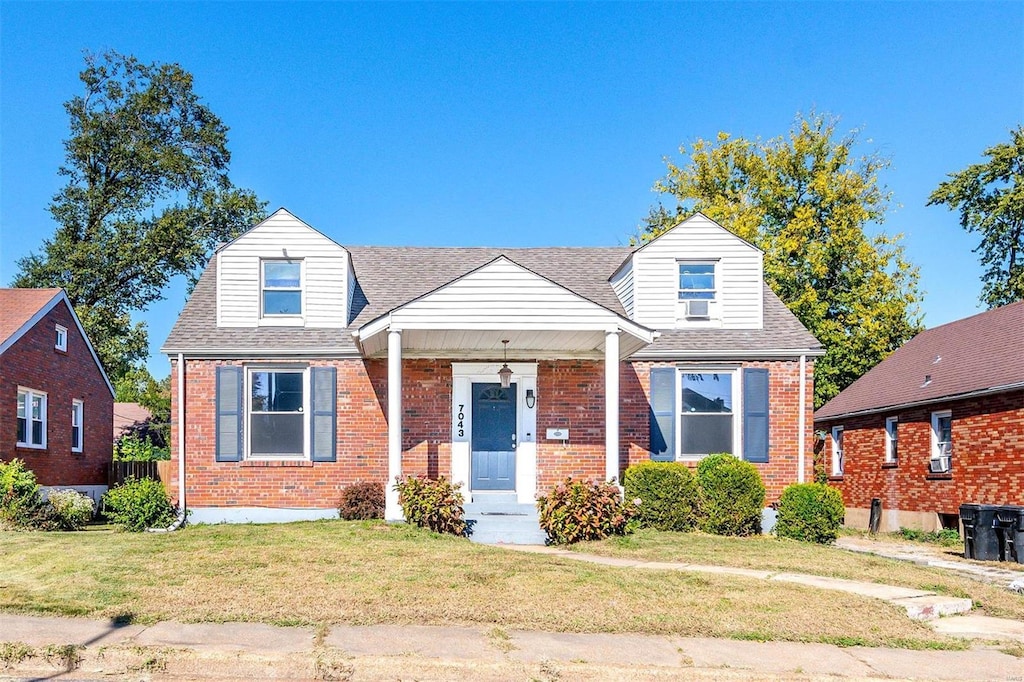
[{"x": 167, "y": 650}]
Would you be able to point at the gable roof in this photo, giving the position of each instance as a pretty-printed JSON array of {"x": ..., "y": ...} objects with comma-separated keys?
[
  {"x": 22, "y": 309},
  {"x": 18, "y": 307},
  {"x": 983, "y": 353}
]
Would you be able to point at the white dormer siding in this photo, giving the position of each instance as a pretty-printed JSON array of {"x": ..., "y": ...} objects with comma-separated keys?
[
  {"x": 738, "y": 272},
  {"x": 283, "y": 237},
  {"x": 622, "y": 284}
]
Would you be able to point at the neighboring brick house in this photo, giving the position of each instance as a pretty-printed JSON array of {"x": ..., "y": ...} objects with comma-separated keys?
[
  {"x": 130, "y": 418},
  {"x": 290, "y": 345},
  {"x": 56, "y": 404},
  {"x": 938, "y": 423}
]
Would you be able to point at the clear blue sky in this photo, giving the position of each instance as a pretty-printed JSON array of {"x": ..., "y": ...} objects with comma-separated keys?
[{"x": 525, "y": 124}]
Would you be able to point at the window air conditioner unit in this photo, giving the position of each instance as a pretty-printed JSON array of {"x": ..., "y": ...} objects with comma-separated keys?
[
  {"x": 940, "y": 465},
  {"x": 697, "y": 309}
]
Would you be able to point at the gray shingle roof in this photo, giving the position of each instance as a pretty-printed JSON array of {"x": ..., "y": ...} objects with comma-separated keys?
[
  {"x": 389, "y": 277},
  {"x": 978, "y": 353}
]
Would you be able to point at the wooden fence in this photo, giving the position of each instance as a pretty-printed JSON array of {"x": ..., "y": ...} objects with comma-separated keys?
[{"x": 120, "y": 471}]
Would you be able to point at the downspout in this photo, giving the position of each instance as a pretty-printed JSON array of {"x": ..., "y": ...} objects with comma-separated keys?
[
  {"x": 181, "y": 431},
  {"x": 182, "y": 513},
  {"x": 801, "y": 420}
]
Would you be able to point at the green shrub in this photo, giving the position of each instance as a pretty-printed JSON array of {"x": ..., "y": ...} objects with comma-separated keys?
[
  {"x": 667, "y": 492},
  {"x": 71, "y": 509},
  {"x": 138, "y": 504},
  {"x": 131, "y": 448},
  {"x": 577, "y": 511},
  {"x": 731, "y": 496},
  {"x": 811, "y": 512},
  {"x": 363, "y": 500},
  {"x": 947, "y": 537},
  {"x": 21, "y": 504},
  {"x": 434, "y": 504}
]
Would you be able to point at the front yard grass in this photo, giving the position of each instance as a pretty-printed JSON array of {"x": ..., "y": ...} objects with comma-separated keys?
[
  {"x": 370, "y": 572},
  {"x": 780, "y": 555}
]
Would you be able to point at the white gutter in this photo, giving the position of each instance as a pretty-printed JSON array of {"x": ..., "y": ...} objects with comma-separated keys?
[
  {"x": 768, "y": 354},
  {"x": 181, "y": 432},
  {"x": 802, "y": 420}
]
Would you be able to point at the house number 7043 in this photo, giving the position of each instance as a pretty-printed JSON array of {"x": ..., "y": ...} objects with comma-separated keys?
[{"x": 461, "y": 418}]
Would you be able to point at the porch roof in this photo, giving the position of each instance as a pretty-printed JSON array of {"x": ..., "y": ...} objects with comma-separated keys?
[{"x": 471, "y": 315}]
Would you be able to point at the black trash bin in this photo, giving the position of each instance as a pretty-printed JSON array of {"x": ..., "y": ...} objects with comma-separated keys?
[
  {"x": 980, "y": 540},
  {"x": 1008, "y": 526}
]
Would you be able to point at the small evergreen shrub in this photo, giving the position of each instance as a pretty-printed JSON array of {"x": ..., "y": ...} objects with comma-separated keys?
[
  {"x": 731, "y": 496},
  {"x": 71, "y": 509},
  {"x": 21, "y": 504},
  {"x": 577, "y": 511},
  {"x": 433, "y": 504},
  {"x": 811, "y": 512},
  {"x": 131, "y": 448},
  {"x": 363, "y": 500},
  {"x": 138, "y": 504},
  {"x": 667, "y": 492}
]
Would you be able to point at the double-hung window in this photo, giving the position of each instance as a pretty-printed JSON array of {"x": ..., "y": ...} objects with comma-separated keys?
[
  {"x": 892, "y": 440},
  {"x": 941, "y": 461},
  {"x": 707, "y": 420},
  {"x": 696, "y": 288},
  {"x": 77, "y": 436},
  {"x": 838, "y": 462},
  {"x": 277, "y": 412},
  {"x": 281, "y": 287},
  {"x": 31, "y": 418}
]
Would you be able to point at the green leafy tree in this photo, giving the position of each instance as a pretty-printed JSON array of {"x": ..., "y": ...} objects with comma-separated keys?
[
  {"x": 806, "y": 199},
  {"x": 990, "y": 198},
  {"x": 137, "y": 385},
  {"x": 147, "y": 198}
]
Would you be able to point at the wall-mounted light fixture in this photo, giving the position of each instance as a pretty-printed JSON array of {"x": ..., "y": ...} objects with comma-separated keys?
[
  {"x": 505, "y": 374},
  {"x": 531, "y": 398}
]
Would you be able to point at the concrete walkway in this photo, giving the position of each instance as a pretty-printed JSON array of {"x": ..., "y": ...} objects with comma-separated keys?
[
  {"x": 94, "y": 650},
  {"x": 949, "y": 558}
]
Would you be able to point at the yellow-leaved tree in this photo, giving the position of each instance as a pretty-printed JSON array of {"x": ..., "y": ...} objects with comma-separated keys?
[{"x": 815, "y": 207}]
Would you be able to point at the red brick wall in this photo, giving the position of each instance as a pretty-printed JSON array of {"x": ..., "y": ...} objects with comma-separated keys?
[
  {"x": 33, "y": 362},
  {"x": 987, "y": 465},
  {"x": 782, "y": 468},
  {"x": 571, "y": 395}
]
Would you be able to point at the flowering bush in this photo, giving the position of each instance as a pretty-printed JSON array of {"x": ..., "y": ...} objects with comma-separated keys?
[
  {"x": 434, "y": 504},
  {"x": 71, "y": 509},
  {"x": 577, "y": 511}
]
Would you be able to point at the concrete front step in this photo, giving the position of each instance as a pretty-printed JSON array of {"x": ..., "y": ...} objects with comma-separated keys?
[{"x": 498, "y": 518}]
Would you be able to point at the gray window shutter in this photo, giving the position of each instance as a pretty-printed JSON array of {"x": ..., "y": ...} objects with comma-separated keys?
[
  {"x": 230, "y": 414},
  {"x": 755, "y": 415},
  {"x": 323, "y": 430},
  {"x": 663, "y": 414}
]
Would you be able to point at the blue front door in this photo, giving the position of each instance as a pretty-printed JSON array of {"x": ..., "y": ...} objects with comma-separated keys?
[{"x": 494, "y": 437}]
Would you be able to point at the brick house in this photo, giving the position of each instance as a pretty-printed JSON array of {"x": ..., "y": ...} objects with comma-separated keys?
[
  {"x": 56, "y": 404},
  {"x": 938, "y": 423},
  {"x": 287, "y": 358}
]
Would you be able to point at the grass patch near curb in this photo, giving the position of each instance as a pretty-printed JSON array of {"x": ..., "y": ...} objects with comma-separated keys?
[
  {"x": 769, "y": 553},
  {"x": 363, "y": 573}
]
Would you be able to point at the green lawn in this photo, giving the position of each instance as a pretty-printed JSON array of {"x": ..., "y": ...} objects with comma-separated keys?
[
  {"x": 364, "y": 573},
  {"x": 774, "y": 554}
]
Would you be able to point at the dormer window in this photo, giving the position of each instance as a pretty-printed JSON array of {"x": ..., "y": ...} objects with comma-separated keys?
[
  {"x": 696, "y": 288},
  {"x": 282, "y": 287}
]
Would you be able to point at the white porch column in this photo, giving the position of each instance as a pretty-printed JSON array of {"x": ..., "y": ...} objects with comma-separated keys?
[
  {"x": 392, "y": 510},
  {"x": 611, "y": 405}
]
